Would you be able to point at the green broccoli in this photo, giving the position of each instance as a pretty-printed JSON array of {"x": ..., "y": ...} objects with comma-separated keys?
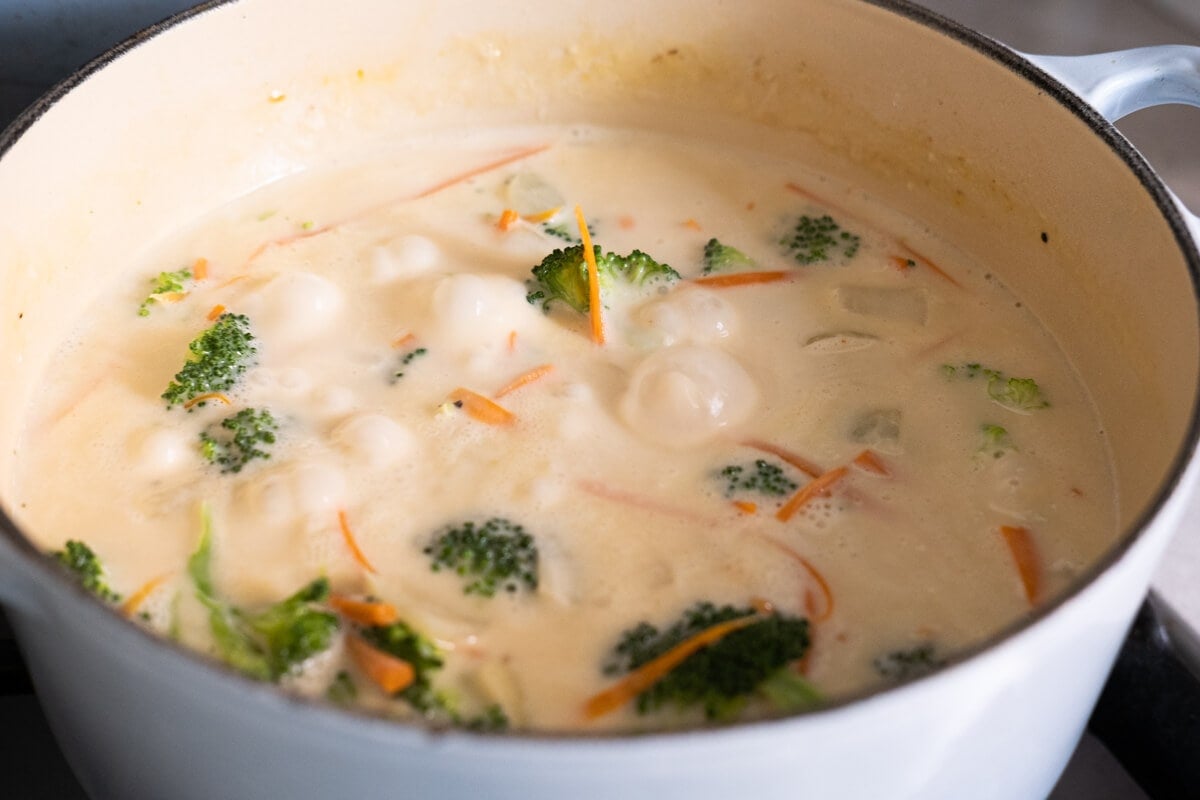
[
  {"x": 85, "y": 565},
  {"x": 219, "y": 356},
  {"x": 753, "y": 661},
  {"x": 492, "y": 720},
  {"x": 165, "y": 284},
  {"x": 721, "y": 257},
  {"x": 494, "y": 554},
  {"x": 561, "y": 231},
  {"x": 1016, "y": 394},
  {"x": 901, "y": 665},
  {"x": 342, "y": 690},
  {"x": 996, "y": 441},
  {"x": 562, "y": 275},
  {"x": 766, "y": 478},
  {"x": 403, "y": 642},
  {"x": 405, "y": 360},
  {"x": 815, "y": 239},
  {"x": 250, "y": 428},
  {"x": 268, "y": 644}
]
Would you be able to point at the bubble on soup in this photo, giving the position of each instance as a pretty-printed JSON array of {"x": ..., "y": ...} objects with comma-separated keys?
[
  {"x": 375, "y": 440},
  {"x": 684, "y": 396},
  {"x": 405, "y": 256}
]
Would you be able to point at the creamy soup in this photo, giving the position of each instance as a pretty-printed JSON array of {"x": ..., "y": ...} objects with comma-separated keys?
[{"x": 342, "y": 435}]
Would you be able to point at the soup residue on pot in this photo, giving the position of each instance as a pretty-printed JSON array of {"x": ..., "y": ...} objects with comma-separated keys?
[{"x": 385, "y": 435}]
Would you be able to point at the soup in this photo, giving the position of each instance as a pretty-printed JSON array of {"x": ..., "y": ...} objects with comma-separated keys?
[{"x": 378, "y": 434}]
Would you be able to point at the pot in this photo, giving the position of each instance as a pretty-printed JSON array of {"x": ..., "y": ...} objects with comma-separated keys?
[{"x": 979, "y": 142}]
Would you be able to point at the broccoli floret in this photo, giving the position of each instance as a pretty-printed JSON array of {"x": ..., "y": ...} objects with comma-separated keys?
[
  {"x": 401, "y": 641},
  {"x": 762, "y": 477},
  {"x": 815, "y": 239},
  {"x": 85, "y": 565},
  {"x": 165, "y": 284},
  {"x": 219, "y": 356},
  {"x": 488, "y": 556},
  {"x": 492, "y": 720},
  {"x": 562, "y": 275},
  {"x": 342, "y": 691},
  {"x": 996, "y": 441},
  {"x": 248, "y": 430},
  {"x": 268, "y": 644},
  {"x": 901, "y": 665},
  {"x": 722, "y": 677},
  {"x": 720, "y": 257},
  {"x": 1015, "y": 394}
]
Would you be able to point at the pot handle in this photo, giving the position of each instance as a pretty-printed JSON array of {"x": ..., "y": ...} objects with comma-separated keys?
[{"x": 1119, "y": 83}]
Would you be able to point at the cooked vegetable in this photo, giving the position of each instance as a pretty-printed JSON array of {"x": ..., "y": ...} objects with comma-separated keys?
[
  {"x": 814, "y": 488},
  {"x": 219, "y": 357},
  {"x": 407, "y": 359},
  {"x": 720, "y": 675},
  {"x": 815, "y": 239},
  {"x": 389, "y": 673},
  {"x": 481, "y": 408},
  {"x": 876, "y": 426},
  {"x": 168, "y": 286},
  {"x": 267, "y": 644},
  {"x": 85, "y": 565},
  {"x": 1025, "y": 557},
  {"x": 352, "y": 543},
  {"x": 406, "y": 644},
  {"x": 524, "y": 379},
  {"x": 996, "y": 441},
  {"x": 901, "y": 665},
  {"x": 562, "y": 275},
  {"x": 489, "y": 556},
  {"x": 240, "y": 439},
  {"x": 720, "y": 257},
  {"x": 761, "y": 477},
  {"x": 342, "y": 689},
  {"x": 740, "y": 279},
  {"x": 1015, "y": 394}
]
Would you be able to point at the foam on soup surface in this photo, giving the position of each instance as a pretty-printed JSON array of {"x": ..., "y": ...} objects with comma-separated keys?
[{"x": 357, "y": 445}]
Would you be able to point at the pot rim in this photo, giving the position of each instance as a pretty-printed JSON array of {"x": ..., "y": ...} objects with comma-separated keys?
[{"x": 271, "y": 695}]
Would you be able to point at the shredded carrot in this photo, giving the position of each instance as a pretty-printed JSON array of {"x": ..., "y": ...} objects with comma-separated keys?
[
  {"x": 740, "y": 279},
  {"x": 524, "y": 379},
  {"x": 215, "y": 312},
  {"x": 476, "y": 171},
  {"x": 135, "y": 600},
  {"x": 635, "y": 500},
  {"x": 241, "y": 277},
  {"x": 913, "y": 254},
  {"x": 542, "y": 216},
  {"x": 745, "y": 506},
  {"x": 799, "y": 462},
  {"x": 691, "y": 224},
  {"x": 595, "y": 312},
  {"x": 404, "y": 341},
  {"x": 200, "y": 269},
  {"x": 626, "y": 222},
  {"x": 364, "y": 612},
  {"x": 387, "y": 672},
  {"x": 650, "y": 673},
  {"x": 352, "y": 544},
  {"x": 808, "y": 491},
  {"x": 481, "y": 408},
  {"x": 508, "y": 218},
  {"x": 869, "y": 461},
  {"x": 903, "y": 264},
  {"x": 810, "y": 605},
  {"x": 204, "y": 398},
  {"x": 1024, "y": 554},
  {"x": 512, "y": 341}
]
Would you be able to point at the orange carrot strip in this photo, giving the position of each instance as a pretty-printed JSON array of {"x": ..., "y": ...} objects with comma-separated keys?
[
  {"x": 814, "y": 573},
  {"x": 135, "y": 600},
  {"x": 932, "y": 266},
  {"x": 903, "y": 264},
  {"x": 352, "y": 544},
  {"x": 869, "y": 461},
  {"x": 364, "y": 612},
  {"x": 170, "y": 297},
  {"x": 481, "y": 408},
  {"x": 215, "y": 312},
  {"x": 1025, "y": 556},
  {"x": 525, "y": 379},
  {"x": 745, "y": 506},
  {"x": 508, "y": 218},
  {"x": 200, "y": 269},
  {"x": 691, "y": 224},
  {"x": 404, "y": 340},
  {"x": 387, "y": 672},
  {"x": 650, "y": 673},
  {"x": 799, "y": 462},
  {"x": 471, "y": 173},
  {"x": 542, "y": 216},
  {"x": 808, "y": 491},
  {"x": 512, "y": 341},
  {"x": 204, "y": 398},
  {"x": 626, "y": 222},
  {"x": 740, "y": 279},
  {"x": 595, "y": 312}
]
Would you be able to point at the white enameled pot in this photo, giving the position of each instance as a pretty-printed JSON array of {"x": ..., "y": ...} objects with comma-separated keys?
[{"x": 973, "y": 139}]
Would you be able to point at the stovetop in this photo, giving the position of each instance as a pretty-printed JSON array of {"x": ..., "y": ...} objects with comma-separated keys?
[{"x": 1144, "y": 736}]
